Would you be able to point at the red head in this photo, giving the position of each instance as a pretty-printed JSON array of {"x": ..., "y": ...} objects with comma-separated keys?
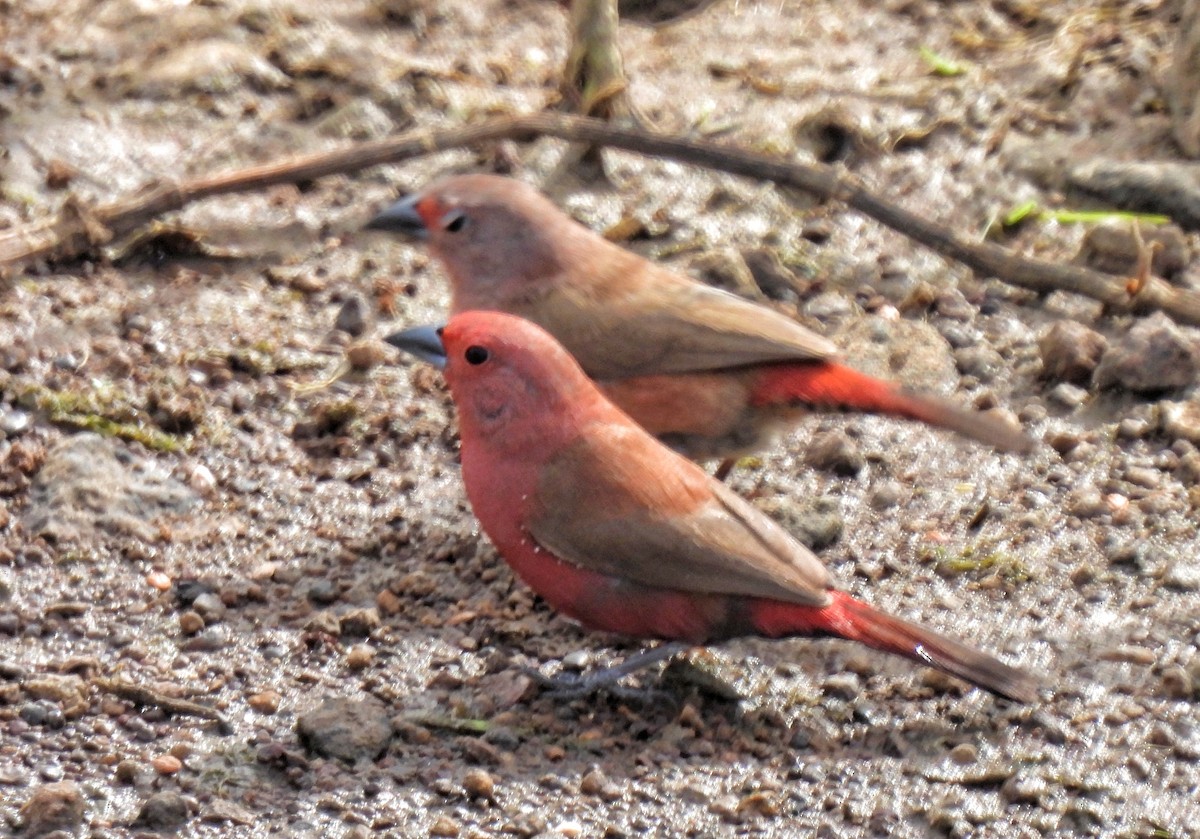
[{"x": 515, "y": 386}]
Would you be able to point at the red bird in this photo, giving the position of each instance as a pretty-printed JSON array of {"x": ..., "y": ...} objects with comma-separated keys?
[
  {"x": 708, "y": 372},
  {"x": 619, "y": 532}
]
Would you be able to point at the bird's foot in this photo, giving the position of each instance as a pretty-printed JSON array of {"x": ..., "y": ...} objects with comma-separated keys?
[
  {"x": 571, "y": 686},
  {"x": 724, "y": 468},
  {"x": 568, "y": 687}
]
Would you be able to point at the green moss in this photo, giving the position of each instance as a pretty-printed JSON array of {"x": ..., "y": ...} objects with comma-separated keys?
[
  {"x": 151, "y": 438},
  {"x": 1158, "y": 831},
  {"x": 1032, "y": 210},
  {"x": 941, "y": 65},
  {"x": 73, "y": 557},
  {"x": 978, "y": 561},
  {"x": 104, "y": 411},
  {"x": 447, "y": 722}
]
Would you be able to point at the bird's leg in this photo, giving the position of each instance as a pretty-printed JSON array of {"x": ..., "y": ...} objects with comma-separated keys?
[
  {"x": 724, "y": 468},
  {"x": 575, "y": 686}
]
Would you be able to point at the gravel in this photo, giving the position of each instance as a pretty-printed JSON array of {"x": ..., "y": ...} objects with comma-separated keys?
[{"x": 240, "y": 586}]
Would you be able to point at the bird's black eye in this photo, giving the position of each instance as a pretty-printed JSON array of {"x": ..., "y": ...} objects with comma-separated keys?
[
  {"x": 454, "y": 221},
  {"x": 476, "y": 354}
]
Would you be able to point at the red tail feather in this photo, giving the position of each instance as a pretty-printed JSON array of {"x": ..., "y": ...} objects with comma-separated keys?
[
  {"x": 824, "y": 384},
  {"x": 848, "y": 618}
]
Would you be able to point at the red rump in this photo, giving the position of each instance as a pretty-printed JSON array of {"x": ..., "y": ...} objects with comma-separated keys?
[{"x": 822, "y": 384}]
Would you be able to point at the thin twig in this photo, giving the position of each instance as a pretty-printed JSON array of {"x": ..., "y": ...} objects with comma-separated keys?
[
  {"x": 1145, "y": 261},
  {"x": 145, "y": 696},
  {"x": 77, "y": 230}
]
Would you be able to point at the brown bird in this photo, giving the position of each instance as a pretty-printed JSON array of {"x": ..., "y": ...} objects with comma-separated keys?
[
  {"x": 708, "y": 372},
  {"x": 616, "y": 530}
]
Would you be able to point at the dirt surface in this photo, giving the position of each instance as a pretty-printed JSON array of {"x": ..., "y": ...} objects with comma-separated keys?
[{"x": 195, "y": 504}]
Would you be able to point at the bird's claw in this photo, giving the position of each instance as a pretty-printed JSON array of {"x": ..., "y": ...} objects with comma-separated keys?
[
  {"x": 568, "y": 687},
  {"x": 578, "y": 685}
]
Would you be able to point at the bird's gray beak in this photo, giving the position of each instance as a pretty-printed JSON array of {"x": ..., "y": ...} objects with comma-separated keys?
[
  {"x": 401, "y": 217},
  {"x": 425, "y": 342}
]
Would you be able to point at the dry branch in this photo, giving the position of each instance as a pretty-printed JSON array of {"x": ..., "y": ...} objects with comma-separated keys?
[
  {"x": 153, "y": 699},
  {"x": 77, "y": 230}
]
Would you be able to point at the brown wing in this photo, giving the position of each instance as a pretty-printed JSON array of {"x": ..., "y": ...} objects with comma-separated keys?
[
  {"x": 626, "y": 506},
  {"x": 648, "y": 320}
]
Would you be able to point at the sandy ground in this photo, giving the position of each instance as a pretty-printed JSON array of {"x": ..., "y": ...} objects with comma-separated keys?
[{"x": 191, "y": 504}]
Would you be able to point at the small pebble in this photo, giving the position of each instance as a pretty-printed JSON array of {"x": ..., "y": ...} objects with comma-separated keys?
[
  {"x": 951, "y": 303},
  {"x": 162, "y": 811},
  {"x": 834, "y": 451},
  {"x": 201, "y": 479},
  {"x": 326, "y": 622},
  {"x": 1087, "y": 503},
  {"x": 266, "y": 702},
  {"x": 1143, "y": 477},
  {"x": 158, "y": 580},
  {"x": 829, "y": 306},
  {"x": 360, "y": 656},
  {"x": 349, "y": 729},
  {"x": 570, "y": 829},
  {"x": 190, "y": 623},
  {"x": 353, "y": 317},
  {"x": 53, "y": 807},
  {"x": 1182, "y": 575},
  {"x": 1070, "y": 351},
  {"x": 1063, "y": 441},
  {"x": 210, "y": 607},
  {"x": 964, "y": 754},
  {"x": 1023, "y": 788},
  {"x": 10, "y": 623},
  {"x": 1129, "y": 653},
  {"x": 595, "y": 782},
  {"x": 1180, "y": 420},
  {"x": 479, "y": 784},
  {"x": 1153, "y": 356},
  {"x": 1034, "y": 412},
  {"x": 761, "y": 802},
  {"x": 444, "y": 826},
  {"x": 576, "y": 660},
  {"x": 1161, "y": 735},
  {"x": 1067, "y": 395},
  {"x": 980, "y": 361},
  {"x": 843, "y": 686},
  {"x": 1134, "y": 428},
  {"x": 1177, "y": 683},
  {"x": 14, "y": 422},
  {"x": 360, "y": 622},
  {"x": 367, "y": 353},
  {"x": 323, "y": 591},
  {"x": 1083, "y": 574},
  {"x": 166, "y": 764},
  {"x": 959, "y": 336},
  {"x": 388, "y": 603}
]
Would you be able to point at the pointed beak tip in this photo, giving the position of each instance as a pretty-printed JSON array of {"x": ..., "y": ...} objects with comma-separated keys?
[
  {"x": 423, "y": 342},
  {"x": 401, "y": 217}
]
